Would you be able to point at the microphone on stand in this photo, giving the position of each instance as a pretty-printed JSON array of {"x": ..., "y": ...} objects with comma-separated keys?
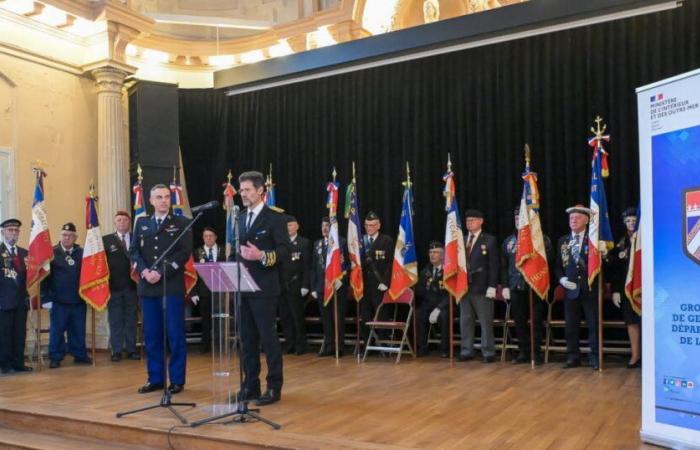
[{"x": 208, "y": 205}]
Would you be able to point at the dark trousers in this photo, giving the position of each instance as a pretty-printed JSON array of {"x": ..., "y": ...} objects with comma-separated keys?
[
  {"x": 67, "y": 318},
  {"x": 292, "y": 319},
  {"x": 572, "y": 316},
  {"x": 422, "y": 325},
  {"x": 13, "y": 330},
  {"x": 257, "y": 326},
  {"x": 327, "y": 314},
  {"x": 520, "y": 309},
  {"x": 123, "y": 309},
  {"x": 153, "y": 336}
]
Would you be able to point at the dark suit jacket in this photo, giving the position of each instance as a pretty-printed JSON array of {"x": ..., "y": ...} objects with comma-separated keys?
[
  {"x": 318, "y": 267},
  {"x": 297, "y": 265},
  {"x": 378, "y": 261},
  {"x": 430, "y": 290},
  {"x": 565, "y": 266},
  {"x": 483, "y": 263},
  {"x": 63, "y": 282},
  {"x": 200, "y": 256},
  {"x": 148, "y": 243},
  {"x": 13, "y": 279},
  {"x": 269, "y": 234},
  {"x": 118, "y": 262}
]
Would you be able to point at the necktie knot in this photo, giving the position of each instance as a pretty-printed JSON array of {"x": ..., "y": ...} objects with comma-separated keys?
[
  {"x": 210, "y": 256},
  {"x": 159, "y": 221},
  {"x": 12, "y": 252}
]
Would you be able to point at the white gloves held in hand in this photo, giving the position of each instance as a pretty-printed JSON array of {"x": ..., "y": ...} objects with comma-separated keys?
[
  {"x": 617, "y": 299},
  {"x": 433, "y": 318},
  {"x": 47, "y": 305},
  {"x": 314, "y": 295},
  {"x": 304, "y": 291},
  {"x": 505, "y": 292},
  {"x": 195, "y": 299},
  {"x": 570, "y": 285},
  {"x": 382, "y": 287},
  {"x": 491, "y": 292}
]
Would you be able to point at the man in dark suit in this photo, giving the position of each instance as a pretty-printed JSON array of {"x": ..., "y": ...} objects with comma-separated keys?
[
  {"x": 295, "y": 288},
  {"x": 318, "y": 282},
  {"x": 14, "y": 299},
  {"x": 571, "y": 269},
  {"x": 59, "y": 293},
  {"x": 263, "y": 246},
  {"x": 202, "y": 296},
  {"x": 482, "y": 262},
  {"x": 376, "y": 269},
  {"x": 123, "y": 303},
  {"x": 153, "y": 235},
  {"x": 432, "y": 302}
]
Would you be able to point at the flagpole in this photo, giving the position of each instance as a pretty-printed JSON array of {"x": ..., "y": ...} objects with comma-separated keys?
[
  {"x": 37, "y": 344},
  {"x": 335, "y": 321},
  {"x": 532, "y": 329},
  {"x": 357, "y": 329},
  {"x": 92, "y": 325},
  {"x": 451, "y": 328},
  {"x": 600, "y": 318}
]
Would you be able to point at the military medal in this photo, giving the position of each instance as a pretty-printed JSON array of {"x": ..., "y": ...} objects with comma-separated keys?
[
  {"x": 70, "y": 261},
  {"x": 483, "y": 249}
]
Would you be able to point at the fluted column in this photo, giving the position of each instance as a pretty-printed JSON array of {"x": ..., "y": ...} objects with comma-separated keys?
[{"x": 112, "y": 157}]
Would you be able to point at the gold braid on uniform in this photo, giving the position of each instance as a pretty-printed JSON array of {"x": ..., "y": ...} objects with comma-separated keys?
[{"x": 270, "y": 258}]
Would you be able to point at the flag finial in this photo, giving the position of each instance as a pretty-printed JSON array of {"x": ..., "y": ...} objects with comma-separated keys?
[
  {"x": 335, "y": 174},
  {"x": 229, "y": 176},
  {"x": 449, "y": 163},
  {"x": 353, "y": 172},
  {"x": 527, "y": 156},
  {"x": 174, "y": 174},
  {"x": 91, "y": 189},
  {"x": 407, "y": 183},
  {"x": 599, "y": 131},
  {"x": 139, "y": 171}
]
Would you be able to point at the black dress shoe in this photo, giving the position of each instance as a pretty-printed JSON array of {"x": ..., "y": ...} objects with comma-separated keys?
[
  {"x": 54, "y": 364},
  {"x": 521, "y": 359},
  {"x": 270, "y": 396},
  {"x": 6, "y": 370},
  {"x": 86, "y": 360},
  {"x": 150, "y": 387},
  {"x": 134, "y": 356},
  {"x": 116, "y": 357},
  {"x": 244, "y": 395},
  {"x": 571, "y": 363},
  {"x": 465, "y": 358},
  {"x": 635, "y": 365},
  {"x": 488, "y": 359},
  {"x": 176, "y": 388},
  {"x": 22, "y": 369}
]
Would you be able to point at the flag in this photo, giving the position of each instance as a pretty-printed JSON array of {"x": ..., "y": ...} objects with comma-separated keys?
[
  {"x": 270, "y": 199},
  {"x": 179, "y": 204},
  {"x": 229, "y": 193},
  {"x": 531, "y": 254},
  {"x": 599, "y": 231},
  {"x": 94, "y": 271},
  {"x": 404, "y": 272},
  {"x": 40, "y": 252},
  {"x": 334, "y": 265},
  {"x": 139, "y": 211},
  {"x": 455, "y": 275},
  {"x": 352, "y": 213},
  {"x": 633, "y": 282}
]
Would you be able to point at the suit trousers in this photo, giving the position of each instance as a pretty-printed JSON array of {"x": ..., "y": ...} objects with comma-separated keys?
[
  {"x": 292, "y": 318},
  {"x": 153, "y": 335},
  {"x": 258, "y": 327},
  {"x": 123, "y": 310},
  {"x": 520, "y": 307},
  {"x": 422, "y": 325},
  {"x": 572, "y": 323},
  {"x": 13, "y": 332},
  {"x": 67, "y": 318},
  {"x": 327, "y": 315},
  {"x": 476, "y": 306}
]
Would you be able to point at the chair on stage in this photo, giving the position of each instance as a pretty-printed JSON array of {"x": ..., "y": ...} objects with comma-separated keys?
[
  {"x": 504, "y": 323},
  {"x": 375, "y": 343}
]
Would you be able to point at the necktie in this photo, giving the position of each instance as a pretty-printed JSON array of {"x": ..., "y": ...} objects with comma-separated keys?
[
  {"x": 159, "y": 222},
  {"x": 210, "y": 257},
  {"x": 250, "y": 220},
  {"x": 123, "y": 237},
  {"x": 371, "y": 241},
  {"x": 435, "y": 272},
  {"x": 470, "y": 242},
  {"x": 576, "y": 248},
  {"x": 12, "y": 252}
]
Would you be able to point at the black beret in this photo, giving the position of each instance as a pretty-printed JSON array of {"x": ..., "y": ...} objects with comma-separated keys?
[
  {"x": 629, "y": 212},
  {"x": 371, "y": 216},
  {"x": 10, "y": 223},
  {"x": 475, "y": 213},
  {"x": 325, "y": 219},
  {"x": 70, "y": 226},
  {"x": 435, "y": 244}
]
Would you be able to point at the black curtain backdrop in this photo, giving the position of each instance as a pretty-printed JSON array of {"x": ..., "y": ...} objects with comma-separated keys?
[{"x": 481, "y": 105}]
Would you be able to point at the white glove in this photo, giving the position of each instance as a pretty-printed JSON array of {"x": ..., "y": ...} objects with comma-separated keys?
[
  {"x": 434, "y": 315},
  {"x": 47, "y": 305},
  {"x": 195, "y": 299},
  {"x": 570, "y": 285},
  {"x": 505, "y": 292},
  {"x": 314, "y": 295},
  {"x": 491, "y": 292},
  {"x": 304, "y": 291},
  {"x": 616, "y": 299},
  {"x": 337, "y": 284},
  {"x": 382, "y": 287}
]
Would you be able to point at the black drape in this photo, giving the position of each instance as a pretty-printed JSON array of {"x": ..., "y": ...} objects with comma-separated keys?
[{"x": 481, "y": 105}]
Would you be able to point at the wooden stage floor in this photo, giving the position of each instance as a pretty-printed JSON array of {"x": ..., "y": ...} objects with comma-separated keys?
[{"x": 422, "y": 403}]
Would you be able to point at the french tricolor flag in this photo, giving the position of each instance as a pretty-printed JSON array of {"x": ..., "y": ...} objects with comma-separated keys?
[{"x": 94, "y": 271}]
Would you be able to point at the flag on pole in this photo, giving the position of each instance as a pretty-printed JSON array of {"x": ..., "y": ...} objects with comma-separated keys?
[
  {"x": 633, "y": 281},
  {"x": 229, "y": 193},
  {"x": 40, "y": 252},
  {"x": 531, "y": 254},
  {"x": 404, "y": 272},
  {"x": 599, "y": 231},
  {"x": 455, "y": 275},
  {"x": 270, "y": 199},
  {"x": 179, "y": 204},
  {"x": 352, "y": 213},
  {"x": 94, "y": 271},
  {"x": 334, "y": 264},
  {"x": 139, "y": 211}
]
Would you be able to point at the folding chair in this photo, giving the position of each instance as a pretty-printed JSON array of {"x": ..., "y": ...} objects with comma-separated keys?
[
  {"x": 374, "y": 343},
  {"x": 557, "y": 296}
]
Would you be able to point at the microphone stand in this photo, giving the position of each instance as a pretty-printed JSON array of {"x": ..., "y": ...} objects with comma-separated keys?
[
  {"x": 242, "y": 413},
  {"x": 165, "y": 401}
]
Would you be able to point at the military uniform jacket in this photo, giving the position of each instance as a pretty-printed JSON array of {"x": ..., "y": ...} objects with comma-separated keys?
[
  {"x": 201, "y": 256},
  {"x": 482, "y": 264},
  {"x": 297, "y": 265},
  {"x": 13, "y": 279},
  {"x": 430, "y": 288},
  {"x": 511, "y": 277},
  {"x": 118, "y": 262},
  {"x": 318, "y": 267},
  {"x": 149, "y": 242},
  {"x": 618, "y": 261},
  {"x": 566, "y": 265},
  {"x": 269, "y": 234},
  {"x": 63, "y": 282},
  {"x": 378, "y": 260}
]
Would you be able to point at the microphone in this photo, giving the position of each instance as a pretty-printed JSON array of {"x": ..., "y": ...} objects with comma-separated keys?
[{"x": 208, "y": 205}]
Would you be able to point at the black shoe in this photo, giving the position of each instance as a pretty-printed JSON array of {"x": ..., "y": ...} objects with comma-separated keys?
[
  {"x": 571, "y": 363},
  {"x": 635, "y": 365},
  {"x": 245, "y": 395},
  {"x": 86, "y": 360},
  {"x": 465, "y": 357},
  {"x": 116, "y": 357},
  {"x": 134, "y": 356},
  {"x": 150, "y": 387},
  {"x": 176, "y": 388},
  {"x": 54, "y": 364},
  {"x": 270, "y": 396},
  {"x": 23, "y": 369},
  {"x": 6, "y": 370},
  {"x": 489, "y": 359},
  {"x": 521, "y": 359}
]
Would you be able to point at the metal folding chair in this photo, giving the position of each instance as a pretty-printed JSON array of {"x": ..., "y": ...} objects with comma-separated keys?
[{"x": 374, "y": 343}]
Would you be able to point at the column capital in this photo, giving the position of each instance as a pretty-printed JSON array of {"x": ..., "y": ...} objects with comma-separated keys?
[{"x": 110, "y": 77}]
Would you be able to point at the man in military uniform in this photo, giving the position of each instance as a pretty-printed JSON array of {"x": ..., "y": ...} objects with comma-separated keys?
[
  {"x": 571, "y": 269},
  {"x": 318, "y": 282},
  {"x": 59, "y": 293},
  {"x": 295, "y": 287},
  {"x": 376, "y": 269},
  {"x": 516, "y": 290},
  {"x": 263, "y": 245},
  {"x": 152, "y": 235},
  {"x": 482, "y": 261},
  {"x": 432, "y": 302},
  {"x": 209, "y": 252},
  {"x": 123, "y": 303},
  {"x": 14, "y": 299}
]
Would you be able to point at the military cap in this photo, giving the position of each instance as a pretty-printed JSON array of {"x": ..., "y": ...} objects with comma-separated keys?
[
  {"x": 629, "y": 212},
  {"x": 435, "y": 245},
  {"x": 291, "y": 218},
  {"x": 579, "y": 209},
  {"x": 70, "y": 226},
  {"x": 371, "y": 216},
  {"x": 475, "y": 213},
  {"x": 325, "y": 219},
  {"x": 10, "y": 223}
]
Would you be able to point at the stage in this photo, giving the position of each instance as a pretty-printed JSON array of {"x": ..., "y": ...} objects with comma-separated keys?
[{"x": 421, "y": 403}]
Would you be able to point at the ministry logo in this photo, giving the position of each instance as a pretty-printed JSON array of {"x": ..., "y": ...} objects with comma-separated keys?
[{"x": 691, "y": 221}]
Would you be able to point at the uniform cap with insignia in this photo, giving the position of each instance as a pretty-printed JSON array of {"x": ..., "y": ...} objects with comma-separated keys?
[
  {"x": 629, "y": 212},
  {"x": 291, "y": 218},
  {"x": 579, "y": 209},
  {"x": 435, "y": 245},
  {"x": 371, "y": 216},
  {"x": 10, "y": 223},
  {"x": 474, "y": 213},
  {"x": 70, "y": 226}
]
